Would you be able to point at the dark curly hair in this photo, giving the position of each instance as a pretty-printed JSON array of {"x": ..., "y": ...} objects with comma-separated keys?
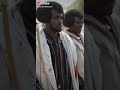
[
  {"x": 69, "y": 17},
  {"x": 44, "y": 11}
]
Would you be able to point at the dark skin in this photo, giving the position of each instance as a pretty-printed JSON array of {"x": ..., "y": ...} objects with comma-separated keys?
[
  {"x": 77, "y": 26},
  {"x": 55, "y": 25}
]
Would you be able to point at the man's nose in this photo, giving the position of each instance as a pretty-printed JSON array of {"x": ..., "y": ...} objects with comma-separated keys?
[{"x": 60, "y": 20}]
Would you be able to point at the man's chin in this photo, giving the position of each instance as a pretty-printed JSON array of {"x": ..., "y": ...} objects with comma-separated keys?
[{"x": 58, "y": 29}]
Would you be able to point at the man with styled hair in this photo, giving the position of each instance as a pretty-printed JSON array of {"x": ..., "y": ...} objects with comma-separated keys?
[
  {"x": 73, "y": 19},
  {"x": 56, "y": 54}
]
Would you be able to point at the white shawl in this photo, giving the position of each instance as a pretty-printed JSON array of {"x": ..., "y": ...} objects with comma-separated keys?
[
  {"x": 80, "y": 52},
  {"x": 72, "y": 57}
]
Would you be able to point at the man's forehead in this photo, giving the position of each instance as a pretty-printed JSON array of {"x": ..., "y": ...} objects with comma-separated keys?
[
  {"x": 78, "y": 19},
  {"x": 56, "y": 13}
]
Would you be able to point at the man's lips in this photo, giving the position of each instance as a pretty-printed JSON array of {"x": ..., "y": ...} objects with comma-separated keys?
[{"x": 60, "y": 25}]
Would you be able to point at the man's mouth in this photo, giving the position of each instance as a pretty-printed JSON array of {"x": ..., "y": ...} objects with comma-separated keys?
[{"x": 59, "y": 26}]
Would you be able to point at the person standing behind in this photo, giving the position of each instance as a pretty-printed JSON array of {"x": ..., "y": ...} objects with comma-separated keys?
[{"x": 74, "y": 21}]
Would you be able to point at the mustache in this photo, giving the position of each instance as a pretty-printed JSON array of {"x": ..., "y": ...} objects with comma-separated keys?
[{"x": 59, "y": 24}]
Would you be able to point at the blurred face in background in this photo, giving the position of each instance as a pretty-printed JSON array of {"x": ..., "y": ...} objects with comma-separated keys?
[{"x": 77, "y": 25}]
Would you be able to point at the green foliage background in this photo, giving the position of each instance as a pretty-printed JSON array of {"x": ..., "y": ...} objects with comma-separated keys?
[{"x": 77, "y": 4}]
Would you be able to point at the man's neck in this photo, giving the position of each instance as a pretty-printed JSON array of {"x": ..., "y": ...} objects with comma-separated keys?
[
  {"x": 52, "y": 34},
  {"x": 75, "y": 33}
]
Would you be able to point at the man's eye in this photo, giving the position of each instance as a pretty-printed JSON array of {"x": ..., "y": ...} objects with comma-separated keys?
[{"x": 55, "y": 17}]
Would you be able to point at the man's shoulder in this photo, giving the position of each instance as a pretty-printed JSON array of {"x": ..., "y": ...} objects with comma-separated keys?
[{"x": 64, "y": 35}]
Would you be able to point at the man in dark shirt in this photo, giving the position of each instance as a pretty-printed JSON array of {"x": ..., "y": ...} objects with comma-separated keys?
[{"x": 52, "y": 16}]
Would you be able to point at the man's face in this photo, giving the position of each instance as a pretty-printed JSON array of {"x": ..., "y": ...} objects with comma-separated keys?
[
  {"x": 56, "y": 21},
  {"x": 77, "y": 25}
]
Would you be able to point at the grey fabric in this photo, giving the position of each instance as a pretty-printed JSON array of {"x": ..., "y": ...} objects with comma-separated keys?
[
  {"x": 23, "y": 55},
  {"x": 116, "y": 21},
  {"x": 93, "y": 74},
  {"x": 107, "y": 40}
]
